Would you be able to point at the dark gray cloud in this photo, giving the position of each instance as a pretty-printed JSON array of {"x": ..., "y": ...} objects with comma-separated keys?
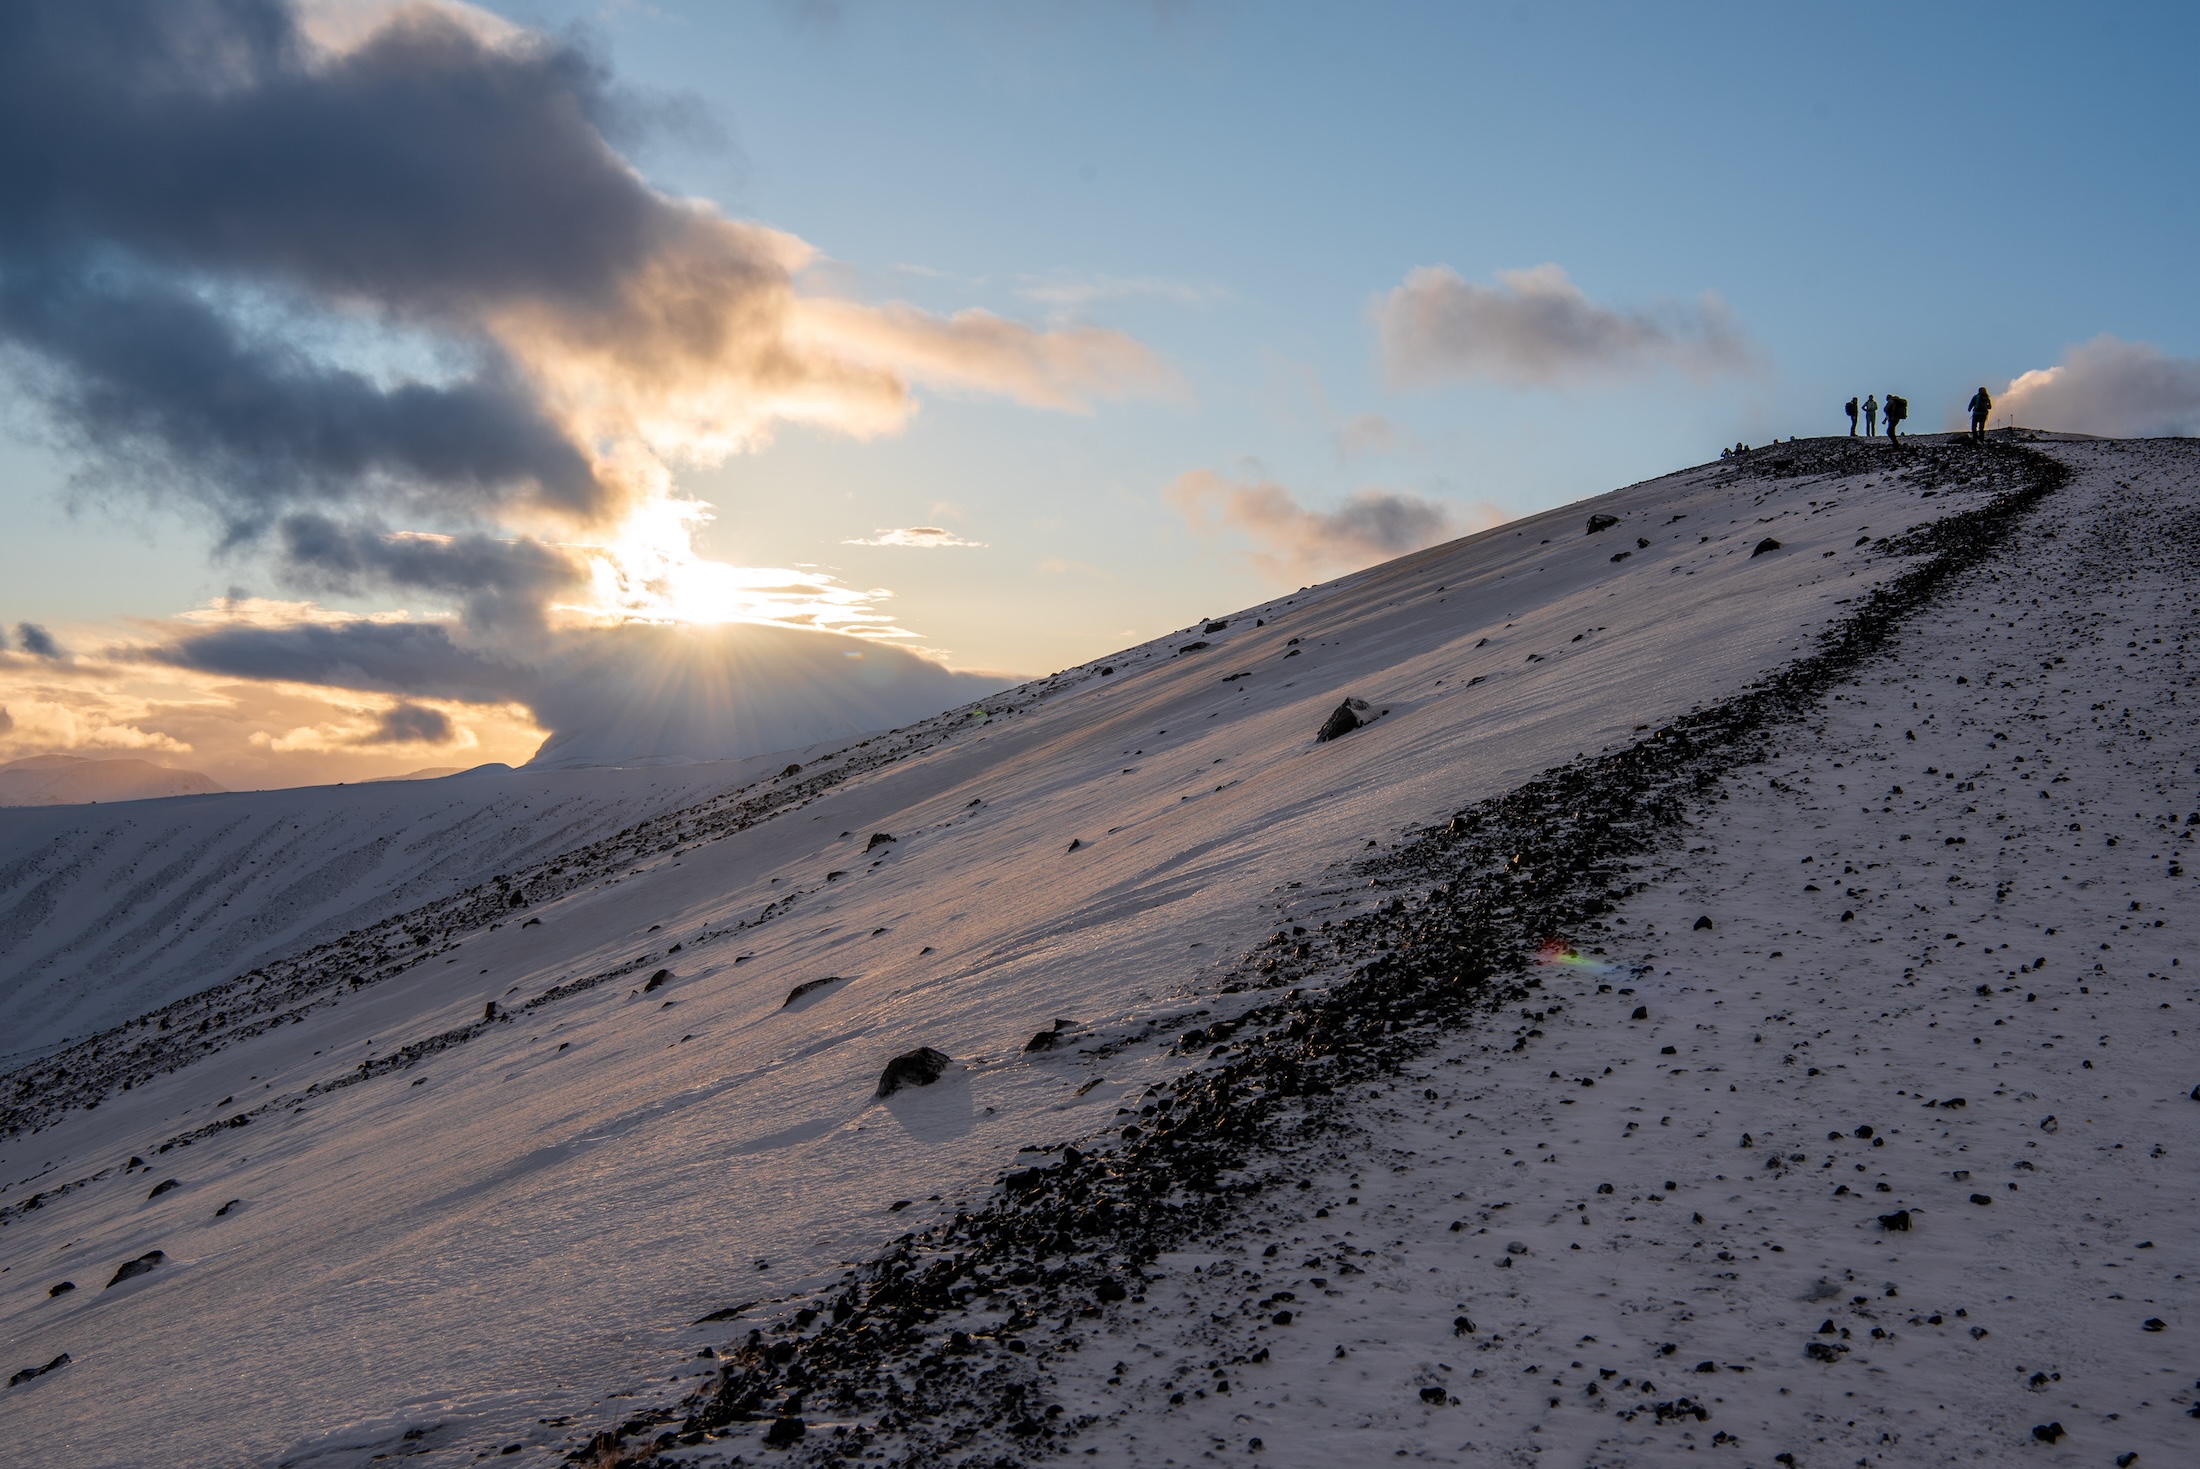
[
  {"x": 609, "y": 695},
  {"x": 412, "y": 724},
  {"x": 417, "y": 658},
  {"x": 154, "y": 151},
  {"x": 500, "y": 584},
  {"x": 36, "y": 640}
]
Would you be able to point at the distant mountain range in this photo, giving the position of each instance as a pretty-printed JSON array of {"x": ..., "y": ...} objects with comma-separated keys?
[{"x": 66, "y": 780}]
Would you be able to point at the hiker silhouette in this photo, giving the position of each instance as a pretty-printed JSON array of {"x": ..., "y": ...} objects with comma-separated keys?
[
  {"x": 1871, "y": 417},
  {"x": 1851, "y": 406},
  {"x": 1897, "y": 410},
  {"x": 1982, "y": 408}
]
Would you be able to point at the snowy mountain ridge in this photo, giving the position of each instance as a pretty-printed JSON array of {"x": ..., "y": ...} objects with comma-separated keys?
[{"x": 1158, "y": 948}]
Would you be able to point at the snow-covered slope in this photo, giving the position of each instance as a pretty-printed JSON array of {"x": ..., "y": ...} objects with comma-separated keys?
[
  {"x": 109, "y": 911},
  {"x": 490, "y": 1227}
]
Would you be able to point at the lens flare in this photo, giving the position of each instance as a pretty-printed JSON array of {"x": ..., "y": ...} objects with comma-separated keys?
[{"x": 1558, "y": 951}]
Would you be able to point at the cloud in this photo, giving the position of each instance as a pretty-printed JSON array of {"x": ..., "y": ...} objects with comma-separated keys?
[
  {"x": 1295, "y": 544},
  {"x": 1536, "y": 329},
  {"x": 2110, "y": 387},
  {"x": 1370, "y": 433},
  {"x": 1067, "y": 293},
  {"x": 330, "y": 271},
  {"x": 412, "y": 724},
  {"x": 915, "y": 535},
  {"x": 36, "y": 641}
]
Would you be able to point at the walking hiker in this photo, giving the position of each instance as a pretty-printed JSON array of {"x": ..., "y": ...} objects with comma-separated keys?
[
  {"x": 1871, "y": 418},
  {"x": 1897, "y": 410},
  {"x": 1982, "y": 407},
  {"x": 1852, "y": 417}
]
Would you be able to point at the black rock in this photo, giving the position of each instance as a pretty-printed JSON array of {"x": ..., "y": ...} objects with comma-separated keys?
[
  {"x": 1110, "y": 1290},
  {"x": 162, "y": 1187},
  {"x": 30, "y": 1372},
  {"x": 783, "y": 1432},
  {"x": 1461, "y": 1326},
  {"x": 1045, "y": 1040},
  {"x": 806, "y": 987},
  {"x": 1601, "y": 521},
  {"x": 2154, "y": 1323},
  {"x": 1767, "y": 544},
  {"x": 1434, "y": 1395},
  {"x": 1642, "y": 1012},
  {"x": 1899, "y": 1219},
  {"x": 1982, "y": 1198},
  {"x": 1192, "y": 647},
  {"x": 224, "y": 1209},
  {"x": 489, "y": 1011},
  {"x": 62, "y": 1289},
  {"x": 1024, "y": 1180},
  {"x": 1703, "y": 922},
  {"x": 1342, "y": 721},
  {"x": 657, "y": 980},
  {"x": 1825, "y": 1351},
  {"x": 1216, "y": 626},
  {"x": 1074, "y": 844},
  {"x": 790, "y": 770},
  {"x": 920, "y": 1067},
  {"x": 878, "y": 839},
  {"x": 142, "y": 1265},
  {"x": 2047, "y": 1432}
]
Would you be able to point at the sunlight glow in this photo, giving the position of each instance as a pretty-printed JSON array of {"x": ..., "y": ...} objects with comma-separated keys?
[{"x": 649, "y": 572}]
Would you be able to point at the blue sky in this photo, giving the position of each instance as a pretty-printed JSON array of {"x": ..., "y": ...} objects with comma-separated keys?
[{"x": 1916, "y": 199}]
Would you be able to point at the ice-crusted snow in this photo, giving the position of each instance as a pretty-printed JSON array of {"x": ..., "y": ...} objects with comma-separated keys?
[{"x": 505, "y": 1240}]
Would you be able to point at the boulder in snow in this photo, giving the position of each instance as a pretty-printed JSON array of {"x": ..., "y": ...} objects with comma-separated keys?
[{"x": 920, "y": 1067}]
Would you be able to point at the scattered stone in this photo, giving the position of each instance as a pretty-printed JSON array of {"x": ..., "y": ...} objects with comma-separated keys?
[
  {"x": 1982, "y": 1198},
  {"x": 142, "y": 1265},
  {"x": 1435, "y": 1396},
  {"x": 1642, "y": 1012},
  {"x": 1341, "y": 721},
  {"x": 790, "y": 770},
  {"x": 1074, "y": 844},
  {"x": 724, "y": 1313},
  {"x": 30, "y": 1372},
  {"x": 656, "y": 981},
  {"x": 1704, "y": 922},
  {"x": 1898, "y": 1220},
  {"x": 878, "y": 839},
  {"x": 162, "y": 1187},
  {"x": 1193, "y": 647},
  {"x": 2154, "y": 1323},
  {"x": 60, "y": 1290},
  {"x": 489, "y": 1011},
  {"x": 1767, "y": 544},
  {"x": 783, "y": 1432},
  {"x": 1601, "y": 521},
  {"x": 920, "y": 1067},
  {"x": 806, "y": 987},
  {"x": 2047, "y": 1432},
  {"x": 224, "y": 1209}
]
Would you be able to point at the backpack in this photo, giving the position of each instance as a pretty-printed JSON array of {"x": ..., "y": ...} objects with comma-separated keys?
[{"x": 1897, "y": 408}]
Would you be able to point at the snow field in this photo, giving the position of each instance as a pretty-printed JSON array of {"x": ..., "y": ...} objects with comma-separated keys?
[
  {"x": 1944, "y": 975},
  {"x": 550, "y": 1198}
]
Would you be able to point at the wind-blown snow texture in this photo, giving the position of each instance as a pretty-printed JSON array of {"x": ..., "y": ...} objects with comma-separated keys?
[{"x": 483, "y": 1228}]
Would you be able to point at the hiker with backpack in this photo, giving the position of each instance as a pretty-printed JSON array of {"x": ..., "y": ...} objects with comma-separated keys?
[
  {"x": 1897, "y": 410},
  {"x": 1871, "y": 418},
  {"x": 1982, "y": 407},
  {"x": 1851, "y": 406}
]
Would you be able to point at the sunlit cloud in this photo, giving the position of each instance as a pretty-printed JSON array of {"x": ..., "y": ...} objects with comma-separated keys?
[
  {"x": 2107, "y": 386},
  {"x": 915, "y": 535},
  {"x": 1293, "y": 543},
  {"x": 1535, "y": 328}
]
